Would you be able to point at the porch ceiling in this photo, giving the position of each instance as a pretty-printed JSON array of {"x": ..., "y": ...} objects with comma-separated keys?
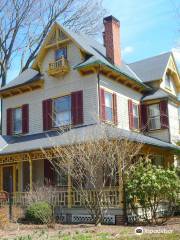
[{"x": 24, "y": 144}]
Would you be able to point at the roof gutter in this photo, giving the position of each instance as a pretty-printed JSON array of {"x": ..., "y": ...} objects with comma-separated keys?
[{"x": 116, "y": 70}]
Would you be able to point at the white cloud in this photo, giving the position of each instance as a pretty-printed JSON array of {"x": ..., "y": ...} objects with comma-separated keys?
[
  {"x": 127, "y": 50},
  {"x": 176, "y": 53}
]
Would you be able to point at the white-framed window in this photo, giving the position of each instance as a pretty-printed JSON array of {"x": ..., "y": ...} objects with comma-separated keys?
[
  {"x": 109, "y": 106},
  {"x": 135, "y": 116},
  {"x": 154, "y": 117},
  {"x": 61, "y": 52},
  {"x": 62, "y": 111},
  {"x": 17, "y": 120},
  {"x": 168, "y": 81}
]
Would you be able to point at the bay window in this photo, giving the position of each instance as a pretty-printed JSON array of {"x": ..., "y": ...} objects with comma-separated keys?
[
  {"x": 62, "y": 111},
  {"x": 154, "y": 117}
]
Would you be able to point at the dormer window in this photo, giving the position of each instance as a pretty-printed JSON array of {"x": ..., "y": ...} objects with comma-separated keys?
[
  {"x": 168, "y": 81},
  {"x": 61, "y": 52}
]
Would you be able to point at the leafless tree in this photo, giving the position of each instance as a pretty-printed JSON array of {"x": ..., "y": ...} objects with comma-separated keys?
[
  {"x": 24, "y": 25},
  {"x": 96, "y": 166}
]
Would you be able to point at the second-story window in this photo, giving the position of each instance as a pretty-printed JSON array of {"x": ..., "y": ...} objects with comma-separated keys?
[
  {"x": 154, "y": 117},
  {"x": 62, "y": 111},
  {"x": 17, "y": 120},
  {"x": 109, "y": 106},
  {"x": 61, "y": 52}
]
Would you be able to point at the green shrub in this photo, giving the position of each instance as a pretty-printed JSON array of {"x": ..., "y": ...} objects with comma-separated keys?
[{"x": 39, "y": 212}]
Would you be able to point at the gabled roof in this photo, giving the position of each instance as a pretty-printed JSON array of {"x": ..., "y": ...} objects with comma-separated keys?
[
  {"x": 9, "y": 145},
  {"x": 96, "y": 52},
  {"x": 28, "y": 76},
  {"x": 151, "y": 69},
  {"x": 159, "y": 94}
]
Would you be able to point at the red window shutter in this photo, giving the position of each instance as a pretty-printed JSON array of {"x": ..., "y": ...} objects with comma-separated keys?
[
  {"x": 47, "y": 114},
  {"x": 130, "y": 110},
  {"x": 115, "y": 117},
  {"x": 77, "y": 108},
  {"x": 48, "y": 173},
  {"x": 143, "y": 117},
  {"x": 9, "y": 121},
  {"x": 163, "y": 105},
  {"x": 25, "y": 118},
  {"x": 102, "y": 104}
]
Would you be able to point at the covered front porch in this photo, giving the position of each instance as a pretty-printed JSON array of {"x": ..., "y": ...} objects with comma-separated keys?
[
  {"x": 23, "y": 164},
  {"x": 21, "y": 172}
]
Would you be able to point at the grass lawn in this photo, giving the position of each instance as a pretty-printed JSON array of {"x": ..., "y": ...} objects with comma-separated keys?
[
  {"x": 101, "y": 236},
  {"x": 88, "y": 232},
  {"x": 42, "y": 235}
]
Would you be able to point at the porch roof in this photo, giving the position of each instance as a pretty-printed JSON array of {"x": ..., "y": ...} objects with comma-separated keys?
[{"x": 18, "y": 144}]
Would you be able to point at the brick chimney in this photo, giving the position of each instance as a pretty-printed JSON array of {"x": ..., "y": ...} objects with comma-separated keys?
[{"x": 111, "y": 37}]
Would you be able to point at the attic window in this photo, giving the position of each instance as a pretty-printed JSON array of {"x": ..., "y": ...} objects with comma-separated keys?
[
  {"x": 168, "y": 81},
  {"x": 61, "y": 52}
]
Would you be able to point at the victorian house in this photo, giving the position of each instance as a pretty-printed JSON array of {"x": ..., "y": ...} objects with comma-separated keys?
[{"x": 80, "y": 82}]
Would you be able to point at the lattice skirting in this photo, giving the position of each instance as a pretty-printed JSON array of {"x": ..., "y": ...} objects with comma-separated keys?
[{"x": 81, "y": 218}]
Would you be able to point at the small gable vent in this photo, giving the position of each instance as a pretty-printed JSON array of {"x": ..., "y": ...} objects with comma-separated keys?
[{"x": 57, "y": 36}]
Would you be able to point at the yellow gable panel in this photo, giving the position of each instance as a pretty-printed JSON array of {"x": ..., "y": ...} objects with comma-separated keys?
[{"x": 172, "y": 70}]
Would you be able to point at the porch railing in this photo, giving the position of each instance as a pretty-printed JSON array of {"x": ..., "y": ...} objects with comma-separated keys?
[{"x": 61, "y": 198}]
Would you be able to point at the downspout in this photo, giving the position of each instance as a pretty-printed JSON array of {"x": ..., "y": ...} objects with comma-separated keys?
[
  {"x": 1, "y": 128},
  {"x": 99, "y": 98}
]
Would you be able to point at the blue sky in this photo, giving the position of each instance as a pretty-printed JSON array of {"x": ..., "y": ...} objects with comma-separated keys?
[{"x": 148, "y": 27}]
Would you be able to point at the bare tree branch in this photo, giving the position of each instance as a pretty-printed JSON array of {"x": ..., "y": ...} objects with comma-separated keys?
[{"x": 24, "y": 25}]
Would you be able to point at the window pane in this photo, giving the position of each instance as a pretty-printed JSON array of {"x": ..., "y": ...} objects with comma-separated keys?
[
  {"x": 109, "y": 114},
  {"x": 154, "y": 110},
  {"x": 135, "y": 110},
  {"x": 136, "y": 116},
  {"x": 108, "y": 100},
  {"x": 62, "y": 111},
  {"x": 62, "y": 104},
  {"x": 61, "y": 178},
  {"x": 155, "y": 123},
  {"x": 168, "y": 81},
  {"x": 108, "y": 106},
  {"x": 136, "y": 122},
  {"x": 17, "y": 120},
  {"x": 63, "y": 118},
  {"x": 60, "y": 53}
]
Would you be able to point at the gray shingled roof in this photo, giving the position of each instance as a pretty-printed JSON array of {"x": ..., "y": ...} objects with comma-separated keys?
[
  {"x": 156, "y": 95},
  {"x": 47, "y": 140},
  {"x": 28, "y": 76},
  {"x": 97, "y": 53},
  {"x": 151, "y": 69}
]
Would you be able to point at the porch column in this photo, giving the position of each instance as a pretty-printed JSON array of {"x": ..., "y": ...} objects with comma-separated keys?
[
  {"x": 19, "y": 176},
  {"x": 121, "y": 192},
  {"x": 1, "y": 178},
  {"x": 69, "y": 191},
  {"x": 14, "y": 178},
  {"x": 30, "y": 175}
]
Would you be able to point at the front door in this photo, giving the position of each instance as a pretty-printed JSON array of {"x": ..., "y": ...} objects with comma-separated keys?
[{"x": 8, "y": 178}]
